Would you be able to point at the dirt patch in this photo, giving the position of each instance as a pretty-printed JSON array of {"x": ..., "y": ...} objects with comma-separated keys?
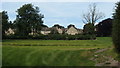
[{"x": 102, "y": 60}]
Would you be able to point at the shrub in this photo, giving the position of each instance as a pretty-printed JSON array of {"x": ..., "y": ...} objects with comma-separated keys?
[
  {"x": 116, "y": 28},
  {"x": 54, "y": 37}
]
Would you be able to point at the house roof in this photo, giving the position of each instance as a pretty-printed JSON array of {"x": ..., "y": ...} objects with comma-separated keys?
[
  {"x": 48, "y": 29},
  {"x": 45, "y": 29},
  {"x": 80, "y": 29},
  {"x": 63, "y": 29}
]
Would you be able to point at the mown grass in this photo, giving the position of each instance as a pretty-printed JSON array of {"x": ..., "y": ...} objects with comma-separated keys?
[
  {"x": 52, "y": 52},
  {"x": 99, "y": 42},
  {"x": 36, "y": 56}
]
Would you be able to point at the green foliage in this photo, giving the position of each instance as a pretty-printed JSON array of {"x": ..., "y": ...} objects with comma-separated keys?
[
  {"x": 54, "y": 37},
  {"x": 54, "y": 31},
  {"x": 89, "y": 29},
  {"x": 116, "y": 28},
  {"x": 59, "y": 26},
  {"x": 70, "y": 26},
  {"x": 5, "y": 23},
  {"x": 28, "y": 20}
]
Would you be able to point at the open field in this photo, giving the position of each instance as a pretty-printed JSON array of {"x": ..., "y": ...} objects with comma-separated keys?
[
  {"x": 98, "y": 43},
  {"x": 56, "y": 52}
]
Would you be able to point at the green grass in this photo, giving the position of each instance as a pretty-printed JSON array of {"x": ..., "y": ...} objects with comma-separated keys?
[
  {"x": 38, "y": 56},
  {"x": 52, "y": 52},
  {"x": 99, "y": 42}
]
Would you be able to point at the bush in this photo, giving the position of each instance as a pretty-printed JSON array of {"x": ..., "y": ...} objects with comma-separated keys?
[
  {"x": 53, "y": 37},
  {"x": 89, "y": 29},
  {"x": 116, "y": 28}
]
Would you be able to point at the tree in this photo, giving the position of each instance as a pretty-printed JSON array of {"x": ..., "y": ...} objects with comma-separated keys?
[
  {"x": 28, "y": 20},
  {"x": 0, "y": 25},
  {"x": 59, "y": 26},
  {"x": 90, "y": 18},
  {"x": 116, "y": 28},
  {"x": 89, "y": 29},
  {"x": 5, "y": 23},
  {"x": 92, "y": 15},
  {"x": 71, "y": 26},
  {"x": 11, "y": 25},
  {"x": 54, "y": 30},
  {"x": 104, "y": 28}
]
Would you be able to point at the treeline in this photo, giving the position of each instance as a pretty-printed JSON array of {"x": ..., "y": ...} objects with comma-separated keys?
[{"x": 29, "y": 20}]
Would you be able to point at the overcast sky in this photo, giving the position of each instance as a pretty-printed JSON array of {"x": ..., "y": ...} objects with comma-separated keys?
[
  {"x": 63, "y": 13},
  {"x": 60, "y": 0}
]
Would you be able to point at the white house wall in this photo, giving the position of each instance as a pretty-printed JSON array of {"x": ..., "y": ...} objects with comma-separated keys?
[{"x": 72, "y": 31}]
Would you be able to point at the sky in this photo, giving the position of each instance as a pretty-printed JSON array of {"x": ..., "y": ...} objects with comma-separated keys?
[
  {"x": 59, "y": 0},
  {"x": 63, "y": 13}
]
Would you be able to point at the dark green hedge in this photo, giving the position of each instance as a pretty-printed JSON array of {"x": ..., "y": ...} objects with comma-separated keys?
[{"x": 54, "y": 37}]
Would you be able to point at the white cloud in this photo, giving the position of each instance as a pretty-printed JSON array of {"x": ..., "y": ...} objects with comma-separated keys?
[{"x": 60, "y": 0}]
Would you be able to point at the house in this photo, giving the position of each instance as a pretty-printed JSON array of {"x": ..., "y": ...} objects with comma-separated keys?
[
  {"x": 45, "y": 31},
  {"x": 72, "y": 30},
  {"x": 60, "y": 31},
  {"x": 10, "y": 31},
  {"x": 104, "y": 28},
  {"x": 80, "y": 31},
  {"x": 59, "y": 28}
]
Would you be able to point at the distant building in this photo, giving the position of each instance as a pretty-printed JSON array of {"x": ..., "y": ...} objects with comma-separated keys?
[
  {"x": 72, "y": 30},
  {"x": 104, "y": 28},
  {"x": 60, "y": 31},
  {"x": 59, "y": 28},
  {"x": 10, "y": 31},
  {"x": 45, "y": 31},
  {"x": 80, "y": 31},
  {"x": 56, "y": 29}
]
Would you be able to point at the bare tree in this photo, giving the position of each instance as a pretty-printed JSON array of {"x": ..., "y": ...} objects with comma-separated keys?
[{"x": 92, "y": 15}]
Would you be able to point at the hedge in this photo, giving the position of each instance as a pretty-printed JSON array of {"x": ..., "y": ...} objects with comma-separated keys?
[{"x": 54, "y": 37}]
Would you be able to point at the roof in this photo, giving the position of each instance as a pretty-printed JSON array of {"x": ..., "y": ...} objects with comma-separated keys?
[
  {"x": 45, "y": 29},
  {"x": 80, "y": 29}
]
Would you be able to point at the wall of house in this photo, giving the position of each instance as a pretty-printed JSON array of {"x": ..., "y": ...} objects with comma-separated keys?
[
  {"x": 10, "y": 31},
  {"x": 72, "y": 31},
  {"x": 45, "y": 32},
  {"x": 60, "y": 31},
  {"x": 80, "y": 31}
]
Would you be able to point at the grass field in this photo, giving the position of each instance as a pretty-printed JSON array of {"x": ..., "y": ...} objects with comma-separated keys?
[{"x": 54, "y": 52}]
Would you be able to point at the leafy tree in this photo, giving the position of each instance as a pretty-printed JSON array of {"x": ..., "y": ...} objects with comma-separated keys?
[
  {"x": 5, "y": 23},
  {"x": 71, "y": 26},
  {"x": 54, "y": 31},
  {"x": 104, "y": 28},
  {"x": 116, "y": 28},
  {"x": 0, "y": 25},
  {"x": 88, "y": 29},
  {"x": 11, "y": 25},
  {"x": 44, "y": 26},
  {"x": 57, "y": 25},
  {"x": 28, "y": 20}
]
